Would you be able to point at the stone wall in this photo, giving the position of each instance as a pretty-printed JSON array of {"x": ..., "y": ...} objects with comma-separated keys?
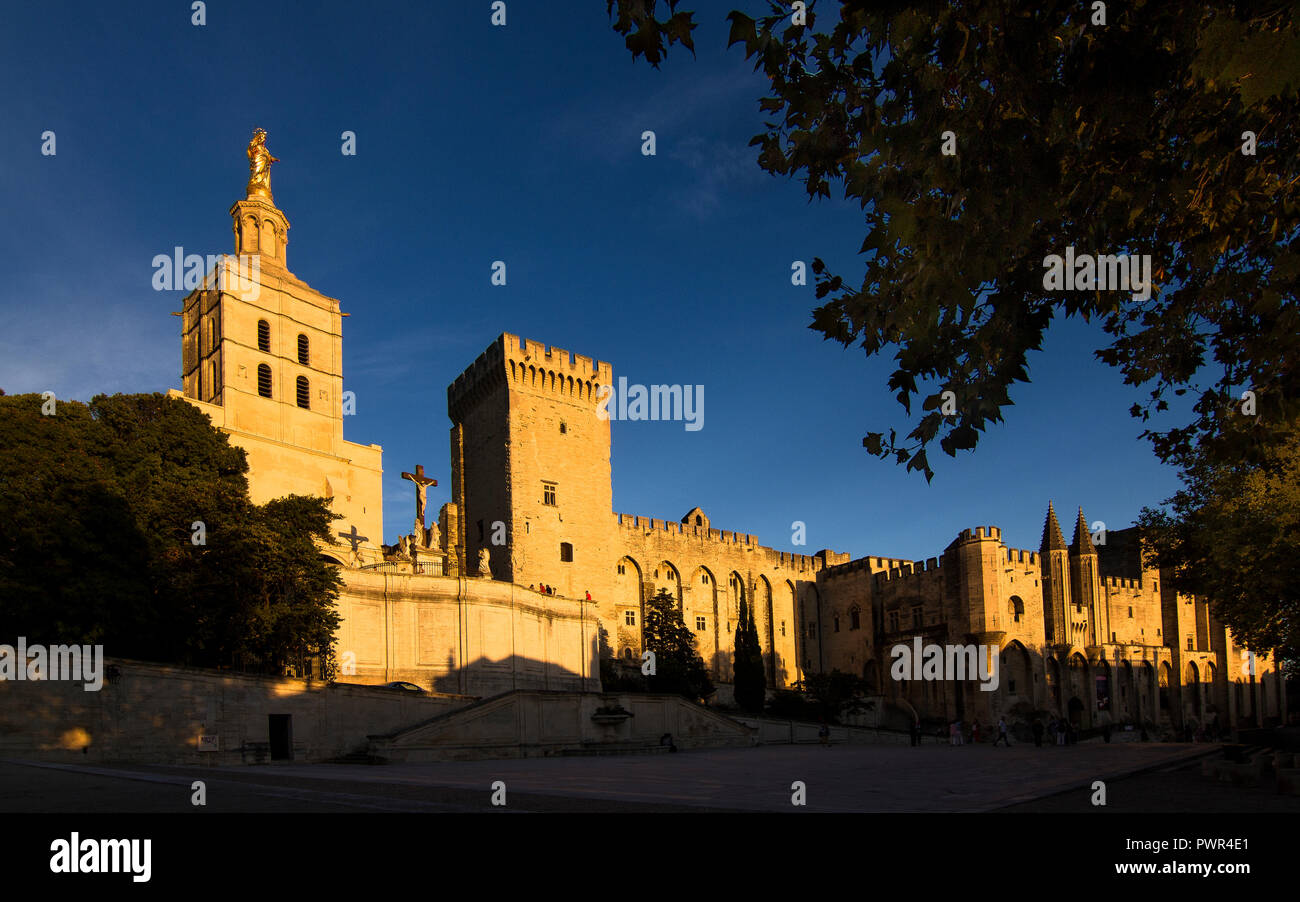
[
  {"x": 467, "y": 636},
  {"x": 157, "y": 713}
]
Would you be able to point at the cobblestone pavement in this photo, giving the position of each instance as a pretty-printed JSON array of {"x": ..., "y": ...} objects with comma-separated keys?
[{"x": 844, "y": 778}]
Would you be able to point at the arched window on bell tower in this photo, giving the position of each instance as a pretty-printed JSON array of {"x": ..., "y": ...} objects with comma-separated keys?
[
  {"x": 304, "y": 393},
  {"x": 264, "y": 380},
  {"x": 263, "y": 335},
  {"x": 304, "y": 350}
]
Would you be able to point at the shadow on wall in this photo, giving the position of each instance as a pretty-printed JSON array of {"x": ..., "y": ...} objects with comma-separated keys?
[{"x": 484, "y": 676}]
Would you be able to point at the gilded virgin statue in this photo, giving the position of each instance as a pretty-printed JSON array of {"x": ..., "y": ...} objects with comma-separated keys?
[{"x": 259, "y": 166}]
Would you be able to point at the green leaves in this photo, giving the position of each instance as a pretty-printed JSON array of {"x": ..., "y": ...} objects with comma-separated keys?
[
  {"x": 644, "y": 34},
  {"x": 1117, "y": 140},
  {"x": 95, "y": 539}
]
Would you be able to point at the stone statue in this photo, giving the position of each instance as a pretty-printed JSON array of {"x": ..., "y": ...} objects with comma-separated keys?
[
  {"x": 259, "y": 166},
  {"x": 404, "y": 548},
  {"x": 433, "y": 537},
  {"x": 484, "y": 563}
]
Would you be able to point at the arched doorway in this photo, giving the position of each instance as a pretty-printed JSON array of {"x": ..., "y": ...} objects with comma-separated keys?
[
  {"x": 1075, "y": 711},
  {"x": 1079, "y": 679},
  {"x": 1015, "y": 674}
]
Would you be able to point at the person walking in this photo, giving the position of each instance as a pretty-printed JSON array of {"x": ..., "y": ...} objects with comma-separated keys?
[
  {"x": 824, "y": 735},
  {"x": 1002, "y": 734},
  {"x": 961, "y": 735}
]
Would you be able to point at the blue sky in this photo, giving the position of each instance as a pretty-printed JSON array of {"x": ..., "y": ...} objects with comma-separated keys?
[{"x": 478, "y": 143}]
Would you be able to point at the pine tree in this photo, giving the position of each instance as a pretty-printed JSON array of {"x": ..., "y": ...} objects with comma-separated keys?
[{"x": 678, "y": 665}]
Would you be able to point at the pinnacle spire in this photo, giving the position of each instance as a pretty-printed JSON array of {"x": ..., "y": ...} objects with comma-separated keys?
[
  {"x": 1082, "y": 543},
  {"x": 1052, "y": 538}
]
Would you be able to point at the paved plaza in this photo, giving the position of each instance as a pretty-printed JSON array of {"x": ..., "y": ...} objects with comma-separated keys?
[{"x": 858, "y": 778}]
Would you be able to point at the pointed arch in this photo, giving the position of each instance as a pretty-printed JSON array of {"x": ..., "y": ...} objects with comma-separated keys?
[{"x": 1016, "y": 673}]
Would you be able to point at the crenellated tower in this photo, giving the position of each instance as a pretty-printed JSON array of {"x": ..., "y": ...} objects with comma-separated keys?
[{"x": 531, "y": 467}]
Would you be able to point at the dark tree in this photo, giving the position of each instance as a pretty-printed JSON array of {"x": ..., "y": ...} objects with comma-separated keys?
[
  {"x": 1231, "y": 536},
  {"x": 101, "y": 509},
  {"x": 678, "y": 666}
]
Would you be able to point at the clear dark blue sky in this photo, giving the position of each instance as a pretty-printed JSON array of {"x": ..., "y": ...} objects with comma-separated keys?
[{"x": 478, "y": 143}]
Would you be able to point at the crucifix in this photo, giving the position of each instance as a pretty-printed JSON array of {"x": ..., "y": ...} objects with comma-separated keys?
[
  {"x": 422, "y": 483},
  {"x": 354, "y": 538}
]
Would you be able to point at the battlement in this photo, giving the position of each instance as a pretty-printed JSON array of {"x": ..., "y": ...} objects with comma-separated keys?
[
  {"x": 487, "y": 371},
  {"x": 675, "y": 530},
  {"x": 979, "y": 534},
  {"x": 633, "y": 523},
  {"x": 529, "y": 364},
  {"x": 1017, "y": 556},
  {"x": 927, "y": 569},
  {"x": 869, "y": 563},
  {"x": 1116, "y": 582},
  {"x": 535, "y": 353}
]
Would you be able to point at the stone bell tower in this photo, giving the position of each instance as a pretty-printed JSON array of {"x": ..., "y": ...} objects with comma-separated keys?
[{"x": 262, "y": 354}]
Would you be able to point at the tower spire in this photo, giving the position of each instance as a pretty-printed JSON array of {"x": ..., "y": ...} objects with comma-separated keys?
[
  {"x": 1052, "y": 538},
  {"x": 1082, "y": 543}
]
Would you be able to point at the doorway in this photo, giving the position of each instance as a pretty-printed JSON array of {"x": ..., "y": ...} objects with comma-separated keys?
[{"x": 281, "y": 737}]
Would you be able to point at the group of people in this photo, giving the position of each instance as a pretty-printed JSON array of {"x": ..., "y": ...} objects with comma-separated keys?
[
  {"x": 957, "y": 732},
  {"x": 1061, "y": 730},
  {"x": 549, "y": 590}
]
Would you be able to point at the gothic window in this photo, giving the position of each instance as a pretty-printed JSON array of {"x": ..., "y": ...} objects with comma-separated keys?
[
  {"x": 304, "y": 393},
  {"x": 548, "y": 493},
  {"x": 1130, "y": 613},
  {"x": 629, "y": 617},
  {"x": 263, "y": 335},
  {"x": 622, "y": 569},
  {"x": 564, "y": 429},
  {"x": 566, "y": 552},
  {"x": 782, "y": 627},
  {"x": 916, "y": 617},
  {"x": 304, "y": 355},
  {"x": 704, "y": 578},
  {"x": 1189, "y": 643},
  {"x": 855, "y": 619},
  {"x": 264, "y": 380},
  {"x": 701, "y": 624},
  {"x": 1017, "y": 608}
]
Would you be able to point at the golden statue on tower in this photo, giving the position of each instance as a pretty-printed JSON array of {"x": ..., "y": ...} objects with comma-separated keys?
[{"x": 259, "y": 166}]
